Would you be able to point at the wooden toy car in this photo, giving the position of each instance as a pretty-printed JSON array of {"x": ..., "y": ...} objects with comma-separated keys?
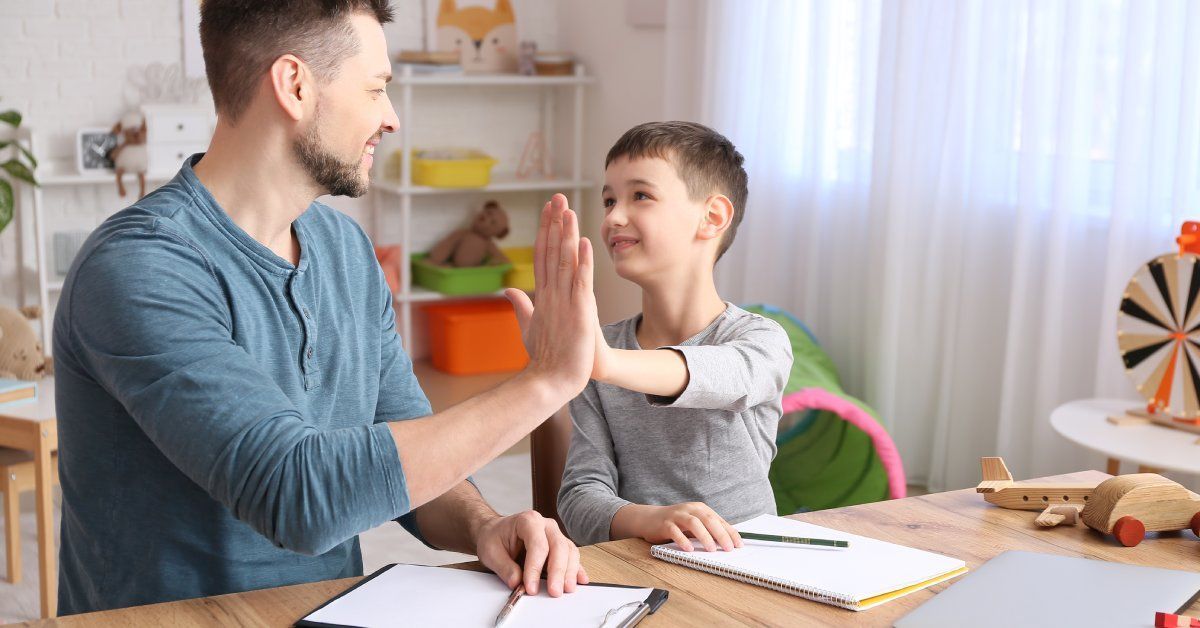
[{"x": 1126, "y": 506}]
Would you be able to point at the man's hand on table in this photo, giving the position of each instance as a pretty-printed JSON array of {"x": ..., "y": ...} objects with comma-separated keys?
[{"x": 502, "y": 541}]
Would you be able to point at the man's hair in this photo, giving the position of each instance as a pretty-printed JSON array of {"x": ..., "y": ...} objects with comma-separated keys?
[
  {"x": 705, "y": 160},
  {"x": 242, "y": 38}
]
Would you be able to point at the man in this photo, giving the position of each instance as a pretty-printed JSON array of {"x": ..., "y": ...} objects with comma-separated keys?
[{"x": 234, "y": 401}]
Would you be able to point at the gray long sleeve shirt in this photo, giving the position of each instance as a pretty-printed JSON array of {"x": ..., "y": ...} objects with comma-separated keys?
[
  {"x": 713, "y": 443},
  {"x": 222, "y": 412}
]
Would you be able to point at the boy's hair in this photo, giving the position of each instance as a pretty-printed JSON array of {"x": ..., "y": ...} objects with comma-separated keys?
[
  {"x": 705, "y": 160},
  {"x": 242, "y": 38}
]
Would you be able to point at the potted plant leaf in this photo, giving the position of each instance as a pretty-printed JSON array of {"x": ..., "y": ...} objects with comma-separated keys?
[{"x": 18, "y": 167}]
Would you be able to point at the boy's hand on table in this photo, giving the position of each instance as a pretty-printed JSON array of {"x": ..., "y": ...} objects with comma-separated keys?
[{"x": 659, "y": 524}]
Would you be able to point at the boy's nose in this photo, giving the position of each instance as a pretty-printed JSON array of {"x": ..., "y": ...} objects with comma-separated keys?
[{"x": 616, "y": 212}]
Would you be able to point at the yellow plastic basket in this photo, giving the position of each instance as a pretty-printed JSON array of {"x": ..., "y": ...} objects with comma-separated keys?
[
  {"x": 451, "y": 168},
  {"x": 521, "y": 275}
]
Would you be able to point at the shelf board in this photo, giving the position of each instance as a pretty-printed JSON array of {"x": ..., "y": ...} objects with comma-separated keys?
[
  {"x": 419, "y": 295},
  {"x": 509, "y": 80},
  {"x": 505, "y": 182},
  {"x": 61, "y": 177}
]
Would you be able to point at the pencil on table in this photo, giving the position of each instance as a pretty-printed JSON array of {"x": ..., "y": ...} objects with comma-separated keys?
[{"x": 753, "y": 536}]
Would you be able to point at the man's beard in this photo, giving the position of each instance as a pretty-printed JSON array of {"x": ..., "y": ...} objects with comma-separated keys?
[{"x": 336, "y": 177}]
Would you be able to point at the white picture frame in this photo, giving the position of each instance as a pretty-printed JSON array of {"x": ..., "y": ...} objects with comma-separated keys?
[{"x": 88, "y": 143}]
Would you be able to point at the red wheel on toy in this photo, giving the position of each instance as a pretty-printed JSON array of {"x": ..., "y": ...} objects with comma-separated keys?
[
  {"x": 1129, "y": 531},
  {"x": 1195, "y": 524}
]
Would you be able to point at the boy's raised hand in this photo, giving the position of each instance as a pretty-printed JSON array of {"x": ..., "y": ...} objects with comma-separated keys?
[{"x": 559, "y": 325}]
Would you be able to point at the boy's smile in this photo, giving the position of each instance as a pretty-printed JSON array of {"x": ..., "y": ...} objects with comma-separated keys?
[{"x": 619, "y": 243}]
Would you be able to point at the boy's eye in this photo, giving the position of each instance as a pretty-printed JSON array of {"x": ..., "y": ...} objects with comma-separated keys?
[
  {"x": 609, "y": 202},
  {"x": 639, "y": 196}
]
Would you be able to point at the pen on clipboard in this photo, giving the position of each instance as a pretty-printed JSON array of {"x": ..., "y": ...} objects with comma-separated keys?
[
  {"x": 516, "y": 594},
  {"x": 643, "y": 609}
]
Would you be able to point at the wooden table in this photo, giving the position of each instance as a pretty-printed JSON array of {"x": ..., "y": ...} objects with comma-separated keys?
[
  {"x": 957, "y": 523},
  {"x": 32, "y": 426}
]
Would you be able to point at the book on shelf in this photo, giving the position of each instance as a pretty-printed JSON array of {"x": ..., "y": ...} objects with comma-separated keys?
[
  {"x": 15, "y": 390},
  {"x": 435, "y": 68},
  {"x": 429, "y": 57}
]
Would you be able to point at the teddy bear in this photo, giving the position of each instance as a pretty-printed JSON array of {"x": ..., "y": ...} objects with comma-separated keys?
[
  {"x": 474, "y": 246},
  {"x": 21, "y": 355}
]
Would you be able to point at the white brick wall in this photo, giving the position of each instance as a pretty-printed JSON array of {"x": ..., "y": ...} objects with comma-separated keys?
[{"x": 63, "y": 64}]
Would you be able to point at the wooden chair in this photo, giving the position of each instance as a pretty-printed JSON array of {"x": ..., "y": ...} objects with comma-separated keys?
[
  {"x": 548, "y": 455},
  {"x": 16, "y": 476}
]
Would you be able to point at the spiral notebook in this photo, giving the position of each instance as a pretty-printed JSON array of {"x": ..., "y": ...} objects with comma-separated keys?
[{"x": 867, "y": 573}]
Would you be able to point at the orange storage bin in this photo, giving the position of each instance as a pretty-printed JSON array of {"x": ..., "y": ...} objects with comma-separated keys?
[{"x": 475, "y": 337}]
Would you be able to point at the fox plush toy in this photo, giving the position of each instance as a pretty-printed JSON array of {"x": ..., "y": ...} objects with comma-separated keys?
[{"x": 486, "y": 41}]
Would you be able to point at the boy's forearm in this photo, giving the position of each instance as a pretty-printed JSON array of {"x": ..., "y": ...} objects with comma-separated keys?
[
  {"x": 660, "y": 372},
  {"x": 628, "y": 522}
]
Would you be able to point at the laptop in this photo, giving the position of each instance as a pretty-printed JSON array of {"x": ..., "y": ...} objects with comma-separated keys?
[{"x": 1030, "y": 589}]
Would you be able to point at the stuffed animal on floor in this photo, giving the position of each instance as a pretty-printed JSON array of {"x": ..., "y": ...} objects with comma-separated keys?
[
  {"x": 474, "y": 246},
  {"x": 21, "y": 355}
]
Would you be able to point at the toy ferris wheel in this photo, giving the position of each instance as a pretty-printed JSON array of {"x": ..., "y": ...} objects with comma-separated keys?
[{"x": 1158, "y": 333}]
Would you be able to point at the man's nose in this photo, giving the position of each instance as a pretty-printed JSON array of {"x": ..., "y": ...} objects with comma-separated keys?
[{"x": 391, "y": 122}]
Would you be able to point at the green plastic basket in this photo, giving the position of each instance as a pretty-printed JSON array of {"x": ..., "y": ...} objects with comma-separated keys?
[{"x": 458, "y": 281}]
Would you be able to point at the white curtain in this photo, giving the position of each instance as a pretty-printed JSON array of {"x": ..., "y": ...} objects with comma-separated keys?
[{"x": 953, "y": 195}]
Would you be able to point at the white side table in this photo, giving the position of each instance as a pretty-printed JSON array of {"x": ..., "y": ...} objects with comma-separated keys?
[{"x": 1153, "y": 447}]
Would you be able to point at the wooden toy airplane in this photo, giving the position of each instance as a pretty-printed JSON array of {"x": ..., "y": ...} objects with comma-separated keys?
[
  {"x": 1126, "y": 506},
  {"x": 998, "y": 488}
]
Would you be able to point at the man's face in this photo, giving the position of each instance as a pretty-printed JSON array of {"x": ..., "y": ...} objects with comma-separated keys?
[
  {"x": 650, "y": 222},
  {"x": 351, "y": 114}
]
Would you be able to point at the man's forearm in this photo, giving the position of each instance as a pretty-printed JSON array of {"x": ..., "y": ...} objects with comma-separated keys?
[
  {"x": 452, "y": 521},
  {"x": 439, "y": 451},
  {"x": 660, "y": 372}
]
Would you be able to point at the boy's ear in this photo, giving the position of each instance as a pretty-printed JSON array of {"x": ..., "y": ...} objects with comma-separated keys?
[{"x": 718, "y": 215}]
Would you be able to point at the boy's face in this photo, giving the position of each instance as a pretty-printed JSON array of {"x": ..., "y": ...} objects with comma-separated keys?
[{"x": 650, "y": 224}]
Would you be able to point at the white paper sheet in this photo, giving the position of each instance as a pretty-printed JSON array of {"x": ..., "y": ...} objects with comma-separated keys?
[{"x": 412, "y": 595}]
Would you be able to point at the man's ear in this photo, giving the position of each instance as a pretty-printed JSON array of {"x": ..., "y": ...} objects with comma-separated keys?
[
  {"x": 718, "y": 215},
  {"x": 292, "y": 84}
]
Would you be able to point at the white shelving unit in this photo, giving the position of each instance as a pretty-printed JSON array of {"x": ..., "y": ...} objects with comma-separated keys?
[
  {"x": 54, "y": 177},
  {"x": 385, "y": 191}
]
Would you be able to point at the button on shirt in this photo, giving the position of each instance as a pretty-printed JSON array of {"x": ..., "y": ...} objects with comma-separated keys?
[{"x": 222, "y": 412}]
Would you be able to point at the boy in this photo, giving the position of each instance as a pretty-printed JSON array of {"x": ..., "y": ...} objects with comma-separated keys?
[{"x": 675, "y": 441}]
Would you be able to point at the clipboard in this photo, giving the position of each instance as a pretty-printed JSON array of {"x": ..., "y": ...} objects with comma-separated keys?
[{"x": 488, "y": 591}]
